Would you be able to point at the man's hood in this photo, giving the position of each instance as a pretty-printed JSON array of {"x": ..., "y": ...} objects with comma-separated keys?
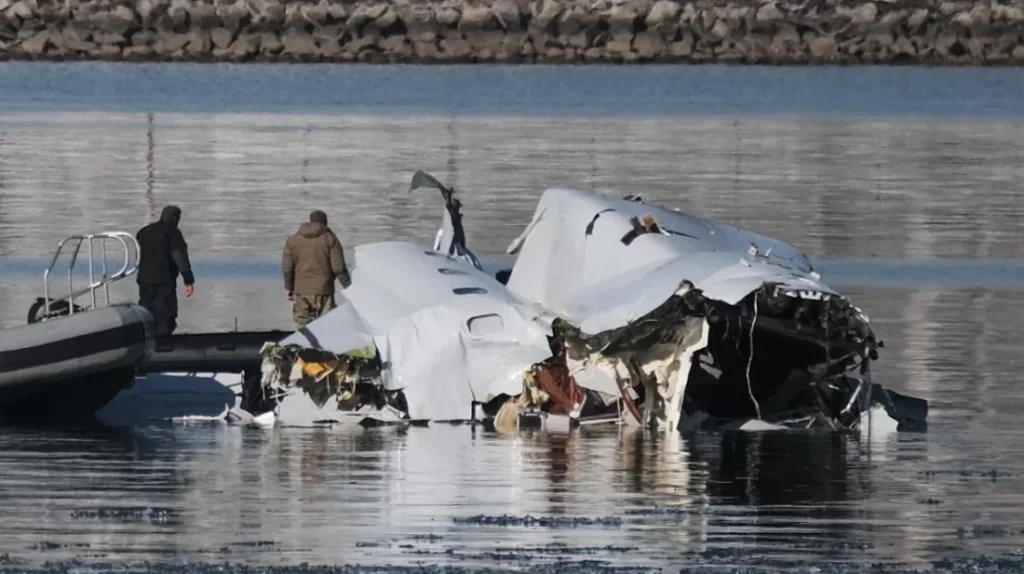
[
  {"x": 312, "y": 229},
  {"x": 171, "y": 214}
]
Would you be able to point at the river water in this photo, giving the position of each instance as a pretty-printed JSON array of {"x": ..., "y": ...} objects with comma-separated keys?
[{"x": 903, "y": 184}]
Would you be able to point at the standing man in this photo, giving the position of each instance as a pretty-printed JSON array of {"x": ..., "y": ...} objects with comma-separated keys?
[
  {"x": 313, "y": 258},
  {"x": 163, "y": 255}
]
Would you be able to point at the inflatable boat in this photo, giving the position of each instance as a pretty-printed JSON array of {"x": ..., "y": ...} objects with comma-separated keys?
[
  {"x": 70, "y": 360},
  {"x": 72, "y": 365}
]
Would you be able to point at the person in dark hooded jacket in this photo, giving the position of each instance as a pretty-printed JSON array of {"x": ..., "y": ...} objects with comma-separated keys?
[
  {"x": 313, "y": 258},
  {"x": 163, "y": 255}
]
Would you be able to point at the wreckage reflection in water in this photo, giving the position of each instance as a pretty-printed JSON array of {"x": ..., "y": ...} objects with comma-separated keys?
[{"x": 403, "y": 495}]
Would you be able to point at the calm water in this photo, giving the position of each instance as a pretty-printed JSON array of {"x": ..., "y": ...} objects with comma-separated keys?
[{"x": 904, "y": 184}]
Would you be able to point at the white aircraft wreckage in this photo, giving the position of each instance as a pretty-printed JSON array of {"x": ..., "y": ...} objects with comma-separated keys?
[{"x": 614, "y": 309}]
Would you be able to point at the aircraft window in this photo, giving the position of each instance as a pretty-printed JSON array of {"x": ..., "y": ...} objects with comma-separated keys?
[
  {"x": 485, "y": 324},
  {"x": 450, "y": 271},
  {"x": 469, "y": 290}
]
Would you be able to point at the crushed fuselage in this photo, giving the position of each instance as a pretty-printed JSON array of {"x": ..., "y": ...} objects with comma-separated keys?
[{"x": 613, "y": 307}]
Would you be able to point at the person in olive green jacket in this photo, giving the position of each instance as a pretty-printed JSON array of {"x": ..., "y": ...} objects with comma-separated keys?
[{"x": 313, "y": 258}]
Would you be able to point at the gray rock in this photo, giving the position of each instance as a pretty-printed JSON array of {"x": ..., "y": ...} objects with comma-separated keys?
[
  {"x": 150, "y": 11},
  {"x": 663, "y": 13},
  {"x": 485, "y": 41},
  {"x": 580, "y": 40},
  {"x": 553, "y": 54},
  {"x": 786, "y": 42},
  {"x": 269, "y": 18},
  {"x": 455, "y": 48},
  {"x": 55, "y": 15},
  {"x": 331, "y": 49},
  {"x": 618, "y": 47},
  {"x": 270, "y": 44},
  {"x": 357, "y": 45},
  {"x": 1018, "y": 53},
  {"x": 682, "y": 48},
  {"x": 574, "y": 20},
  {"x": 143, "y": 38},
  {"x": 297, "y": 43},
  {"x": 508, "y": 15},
  {"x": 293, "y": 18},
  {"x": 1005, "y": 13},
  {"x": 688, "y": 15},
  {"x": 365, "y": 13},
  {"x": 36, "y": 45},
  {"x": 75, "y": 40},
  {"x": 719, "y": 32},
  {"x": 199, "y": 43},
  {"x": 203, "y": 16},
  {"x": 735, "y": 16},
  {"x": 918, "y": 18},
  {"x": 419, "y": 20},
  {"x": 512, "y": 46},
  {"x": 316, "y": 14},
  {"x": 126, "y": 14},
  {"x": 649, "y": 46},
  {"x": 878, "y": 44},
  {"x": 177, "y": 18},
  {"x": 427, "y": 51},
  {"x": 707, "y": 19},
  {"x": 329, "y": 33},
  {"x": 337, "y": 11},
  {"x": 24, "y": 10},
  {"x": 397, "y": 46},
  {"x": 864, "y": 14},
  {"x": 221, "y": 37},
  {"x": 447, "y": 16},
  {"x": 109, "y": 39},
  {"x": 231, "y": 17},
  {"x": 137, "y": 52},
  {"x": 477, "y": 18},
  {"x": 949, "y": 8},
  {"x": 945, "y": 44},
  {"x": 979, "y": 18},
  {"x": 768, "y": 13},
  {"x": 548, "y": 14},
  {"x": 387, "y": 19},
  {"x": 823, "y": 47},
  {"x": 116, "y": 22},
  {"x": 169, "y": 43},
  {"x": 755, "y": 45},
  {"x": 620, "y": 18},
  {"x": 245, "y": 46}
]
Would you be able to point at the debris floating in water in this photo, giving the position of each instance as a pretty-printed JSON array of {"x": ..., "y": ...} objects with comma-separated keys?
[
  {"x": 134, "y": 514},
  {"x": 547, "y": 521}
]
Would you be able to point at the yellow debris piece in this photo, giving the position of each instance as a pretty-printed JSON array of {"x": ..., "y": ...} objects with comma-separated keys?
[{"x": 316, "y": 370}]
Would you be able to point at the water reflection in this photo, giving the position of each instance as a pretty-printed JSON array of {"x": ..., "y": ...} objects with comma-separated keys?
[
  {"x": 902, "y": 188},
  {"x": 373, "y": 495}
]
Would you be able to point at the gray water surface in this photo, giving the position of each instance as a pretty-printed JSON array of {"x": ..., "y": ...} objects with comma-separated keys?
[{"x": 902, "y": 184}]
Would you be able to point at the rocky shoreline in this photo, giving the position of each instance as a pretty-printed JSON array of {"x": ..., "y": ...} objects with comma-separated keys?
[{"x": 547, "y": 31}]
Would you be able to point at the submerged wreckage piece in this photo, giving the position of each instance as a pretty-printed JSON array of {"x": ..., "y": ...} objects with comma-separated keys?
[
  {"x": 614, "y": 309},
  {"x": 677, "y": 311}
]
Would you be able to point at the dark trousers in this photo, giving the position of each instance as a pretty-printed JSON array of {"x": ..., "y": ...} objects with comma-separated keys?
[{"x": 162, "y": 302}]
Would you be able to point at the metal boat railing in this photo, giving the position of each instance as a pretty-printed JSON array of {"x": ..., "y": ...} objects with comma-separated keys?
[{"x": 131, "y": 265}]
